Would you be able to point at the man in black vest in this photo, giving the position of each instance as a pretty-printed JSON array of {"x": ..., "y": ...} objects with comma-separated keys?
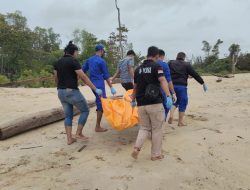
[{"x": 148, "y": 79}]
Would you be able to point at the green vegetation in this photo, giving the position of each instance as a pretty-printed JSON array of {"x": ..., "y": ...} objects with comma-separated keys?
[
  {"x": 30, "y": 54},
  {"x": 235, "y": 62}
]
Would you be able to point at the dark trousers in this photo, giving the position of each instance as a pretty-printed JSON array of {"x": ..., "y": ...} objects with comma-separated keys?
[{"x": 128, "y": 86}]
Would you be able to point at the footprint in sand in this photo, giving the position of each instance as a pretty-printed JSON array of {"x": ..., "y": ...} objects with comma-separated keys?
[
  {"x": 22, "y": 162},
  {"x": 178, "y": 158},
  {"x": 60, "y": 153},
  {"x": 197, "y": 117},
  {"x": 124, "y": 177},
  {"x": 100, "y": 158}
]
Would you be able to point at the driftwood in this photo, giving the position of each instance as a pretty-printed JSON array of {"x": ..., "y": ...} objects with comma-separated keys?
[
  {"x": 224, "y": 76},
  {"x": 33, "y": 121},
  {"x": 36, "y": 120},
  {"x": 84, "y": 146}
]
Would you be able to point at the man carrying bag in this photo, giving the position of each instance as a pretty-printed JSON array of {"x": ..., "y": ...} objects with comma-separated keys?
[{"x": 148, "y": 80}]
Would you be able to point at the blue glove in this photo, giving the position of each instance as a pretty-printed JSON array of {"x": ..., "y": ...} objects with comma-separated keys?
[
  {"x": 169, "y": 102},
  {"x": 133, "y": 104},
  {"x": 98, "y": 92},
  {"x": 113, "y": 91},
  {"x": 205, "y": 87}
]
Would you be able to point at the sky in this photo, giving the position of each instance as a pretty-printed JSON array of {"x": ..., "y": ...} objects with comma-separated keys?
[{"x": 172, "y": 25}]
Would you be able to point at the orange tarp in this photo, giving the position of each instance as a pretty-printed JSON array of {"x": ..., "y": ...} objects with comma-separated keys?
[{"x": 119, "y": 112}]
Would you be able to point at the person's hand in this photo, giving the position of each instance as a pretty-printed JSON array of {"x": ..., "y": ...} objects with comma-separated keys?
[
  {"x": 205, "y": 87},
  {"x": 174, "y": 97},
  {"x": 98, "y": 91},
  {"x": 113, "y": 91},
  {"x": 132, "y": 96},
  {"x": 133, "y": 104},
  {"x": 169, "y": 102},
  {"x": 111, "y": 80}
]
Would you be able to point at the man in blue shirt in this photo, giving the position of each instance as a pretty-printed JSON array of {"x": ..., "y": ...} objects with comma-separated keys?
[
  {"x": 98, "y": 71},
  {"x": 167, "y": 75}
]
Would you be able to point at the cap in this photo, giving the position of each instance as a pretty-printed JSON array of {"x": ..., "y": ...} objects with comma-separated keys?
[{"x": 99, "y": 47}]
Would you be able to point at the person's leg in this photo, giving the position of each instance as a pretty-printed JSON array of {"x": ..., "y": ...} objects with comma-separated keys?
[
  {"x": 182, "y": 106},
  {"x": 176, "y": 104},
  {"x": 144, "y": 132},
  {"x": 81, "y": 104},
  {"x": 164, "y": 106},
  {"x": 156, "y": 117},
  {"x": 171, "y": 116},
  {"x": 99, "y": 109},
  {"x": 68, "y": 112}
]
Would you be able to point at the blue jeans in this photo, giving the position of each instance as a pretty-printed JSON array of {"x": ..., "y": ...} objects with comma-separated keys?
[
  {"x": 182, "y": 97},
  {"x": 70, "y": 98}
]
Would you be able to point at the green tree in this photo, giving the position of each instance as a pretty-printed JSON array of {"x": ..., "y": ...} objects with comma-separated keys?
[
  {"x": 86, "y": 41},
  {"x": 15, "y": 40},
  {"x": 215, "y": 49},
  {"x": 206, "y": 48}
]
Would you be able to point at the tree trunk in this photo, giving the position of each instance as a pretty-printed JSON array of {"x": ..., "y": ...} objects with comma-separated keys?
[{"x": 34, "y": 121}]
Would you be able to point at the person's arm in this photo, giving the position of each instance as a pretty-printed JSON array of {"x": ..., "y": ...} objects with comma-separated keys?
[
  {"x": 105, "y": 72},
  {"x": 133, "y": 95},
  {"x": 164, "y": 85},
  {"x": 171, "y": 87},
  {"x": 85, "y": 79},
  {"x": 131, "y": 71},
  {"x": 169, "y": 79},
  {"x": 116, "y": 74},
  {"x": 194, "y": 74},
  {"x": 85, "y": 67},
  {"x": 55, "y": 77}
]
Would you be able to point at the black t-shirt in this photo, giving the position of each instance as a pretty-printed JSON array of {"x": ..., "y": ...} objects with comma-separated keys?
[
  {"x": 67, "y": 77},
  {"x": 147, "y": 73}
]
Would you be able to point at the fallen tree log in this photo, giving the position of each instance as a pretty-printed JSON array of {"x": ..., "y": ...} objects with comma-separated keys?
[
  {"x": 224, "y": 76},
  {"x": 33, "y": 121},
  {"x": 36, "y": 120}
]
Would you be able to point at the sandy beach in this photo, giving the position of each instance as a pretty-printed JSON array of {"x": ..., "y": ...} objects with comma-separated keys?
[{"x": 211, "y": 153}]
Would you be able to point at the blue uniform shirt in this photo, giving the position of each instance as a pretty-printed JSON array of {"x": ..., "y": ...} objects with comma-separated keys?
[
  {"x": 166, "y": 70},
  {"x": 97, "y": 68}
]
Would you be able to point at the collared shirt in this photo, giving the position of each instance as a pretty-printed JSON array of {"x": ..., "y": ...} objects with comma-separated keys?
[
  {"x": 166, "y": 70},
  {"x": 97, "y": 68},
  {"x": 123, "y": 67}
]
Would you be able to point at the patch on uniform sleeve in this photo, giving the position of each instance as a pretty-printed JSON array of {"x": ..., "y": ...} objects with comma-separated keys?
[{"x": 160, "y": 71}]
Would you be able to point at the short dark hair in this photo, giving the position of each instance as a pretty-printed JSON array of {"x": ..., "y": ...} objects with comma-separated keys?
[
  {"x": 70, "y": 48},
  {"x": 161, "y": 52},
  {"x": 181, "y": 56},
  {"x": 131, "y": 52},
  {"x": 153, "y": 51}
]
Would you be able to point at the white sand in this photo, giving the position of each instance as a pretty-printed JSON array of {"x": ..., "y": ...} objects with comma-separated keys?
[{"x": 207, "y": 154}]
